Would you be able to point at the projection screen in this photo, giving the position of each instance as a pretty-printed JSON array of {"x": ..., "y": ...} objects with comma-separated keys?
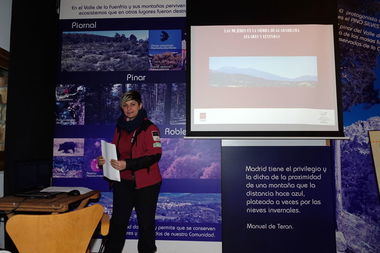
[{"x": 263, "y": 80}]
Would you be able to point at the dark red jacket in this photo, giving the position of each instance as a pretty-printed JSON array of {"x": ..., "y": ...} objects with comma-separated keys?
[{"x": 142, "y": 150}]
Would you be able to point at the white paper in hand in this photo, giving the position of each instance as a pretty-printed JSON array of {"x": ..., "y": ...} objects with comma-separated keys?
[{"x": 109, "y": 153}]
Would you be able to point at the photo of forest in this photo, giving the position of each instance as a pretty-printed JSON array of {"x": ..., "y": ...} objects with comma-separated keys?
[
  {"x": 164, "y": 102},
  {"x": 153, "y": 97},
  {"x": 102, "y": 103},
  {"x": 178, "y": 105}
]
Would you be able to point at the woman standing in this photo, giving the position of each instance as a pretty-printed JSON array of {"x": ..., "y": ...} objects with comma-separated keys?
[{"x": 138, "y": 146}]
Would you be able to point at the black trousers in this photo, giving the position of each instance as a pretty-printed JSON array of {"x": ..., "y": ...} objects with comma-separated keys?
[{"x": 125, "y": 198}]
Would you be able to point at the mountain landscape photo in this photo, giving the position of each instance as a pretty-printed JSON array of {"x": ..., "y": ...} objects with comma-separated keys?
[{"x": 250, "y": 77}]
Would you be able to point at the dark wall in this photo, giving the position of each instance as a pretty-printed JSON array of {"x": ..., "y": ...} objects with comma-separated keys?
[
  {"x": 30, "y": 108},
  {"x": 261, "y": 12}
]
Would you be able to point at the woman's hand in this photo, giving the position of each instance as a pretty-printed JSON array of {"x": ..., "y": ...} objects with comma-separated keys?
[
  {"x": 118, "y": 165},
  {"x": 101, "y": 161}
]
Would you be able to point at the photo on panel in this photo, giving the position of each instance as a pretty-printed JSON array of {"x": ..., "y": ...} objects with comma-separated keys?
[
  {"x": 70, "y": 109},
  {"x": 67, "y": 167},
  {"x": 199, "y": 211},
  {"x": 105, "y": 51},
  {"x": 178, "y": 105},
  {"x": 102, "y": 103},
  {"x": 190, "y": 159},
  {"x": 92, "y": 151},
  {"x": 154, "y": 99},
  {"x": 68, "y": 147},
  {"x": 166, "y": 50}
]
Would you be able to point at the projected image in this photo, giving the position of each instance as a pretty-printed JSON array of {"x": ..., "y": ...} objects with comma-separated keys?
[
  {"x": 165, "y": 50},
  {"x": 70, "y": 109},
  {"x": 105, "y": 51},
  {"x": 68, "y": 147},
  {"x": 263, "y": 78},
  {"x": 195, "y": 159},
  {"x": 91, "y": 152},
  {"x": 67, "y": 167},
  {"x": 264, "y": 71}
]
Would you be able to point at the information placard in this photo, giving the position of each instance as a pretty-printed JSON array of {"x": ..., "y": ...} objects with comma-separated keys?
[{"x": 280, "y": 199}]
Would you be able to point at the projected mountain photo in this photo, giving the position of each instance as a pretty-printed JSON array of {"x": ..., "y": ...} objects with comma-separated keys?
[{"x": 263, "y": 71}]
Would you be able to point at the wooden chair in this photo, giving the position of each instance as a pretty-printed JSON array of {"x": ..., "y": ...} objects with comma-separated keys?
[
  {"x": 104, "y": 229},
  {"x": 55, "y": 233}
]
